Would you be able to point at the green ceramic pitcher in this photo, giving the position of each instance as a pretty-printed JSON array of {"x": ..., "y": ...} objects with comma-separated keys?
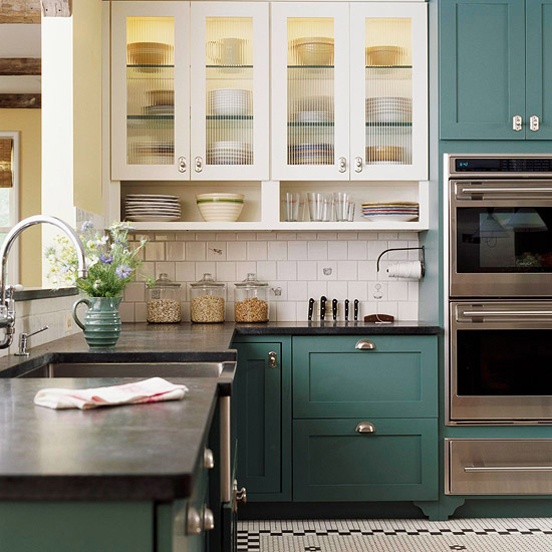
[{"x": 102, "y": 322}]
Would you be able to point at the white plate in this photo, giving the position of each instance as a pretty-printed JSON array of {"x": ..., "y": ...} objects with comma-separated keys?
[
  {"x": 390, "y": 218},
  {"x": 154, "y": 218},
  {"x": 151, "y": 196}
]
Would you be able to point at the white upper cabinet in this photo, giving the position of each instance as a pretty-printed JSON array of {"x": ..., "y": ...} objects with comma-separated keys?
[
  {"x": 189, "y": 91},
  {"x": 349, "y": 91}
]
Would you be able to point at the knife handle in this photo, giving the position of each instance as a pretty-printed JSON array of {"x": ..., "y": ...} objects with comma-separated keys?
[
  {"x": 334, "y": 309},
  {"x": 323, "y": 307},
  {"x": 347, "y": 309},
  {"x": 311, "y": 305},
  {"x": 355, "y": 309}
]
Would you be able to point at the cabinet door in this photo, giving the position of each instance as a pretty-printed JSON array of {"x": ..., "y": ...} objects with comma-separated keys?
[
  {"x": 539, "y": 69},
  {"x": 310, "y": 91},
  {"x": 389, "y": 137},
  {"x": 482, "y": 68},
  {"x": 334, "y": 462},
  {"x": 150, "y": 90},
  {"x": 230, "y": 92},
  {"x": 258, "y": 394},
  {"x": 396, "y": 377}
]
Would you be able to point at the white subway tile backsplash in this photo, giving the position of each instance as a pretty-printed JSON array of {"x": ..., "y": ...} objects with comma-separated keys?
[
  {"x": 257, "y": 251},
  {"x": 337, "y": 250},
  {"x": 278, "y": 250},
  {"x": 195, "y": 251},
  {"x": 296, "y": 266},
  {"x": 317, "y": 251}
]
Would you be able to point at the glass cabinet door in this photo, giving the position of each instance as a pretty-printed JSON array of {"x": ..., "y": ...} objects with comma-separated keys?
[
  {"x": 230, "y": 100},
  {"x": 150, "y": 91},
  {"x": 310, "y": 91},
  {"x": 389, "y": 91}
]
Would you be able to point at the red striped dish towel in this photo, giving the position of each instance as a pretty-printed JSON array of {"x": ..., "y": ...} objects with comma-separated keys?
[{"x": 139, "y": 392}]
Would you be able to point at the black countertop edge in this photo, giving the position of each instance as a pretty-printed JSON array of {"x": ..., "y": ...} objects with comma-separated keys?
[
  {"x": 330, "y": 327},
  {"x": 163, "y": 488},
  {"x": 32, "y": 294}
]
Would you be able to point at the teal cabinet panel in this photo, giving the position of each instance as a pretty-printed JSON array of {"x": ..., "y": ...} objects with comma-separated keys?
[
  {"x": 482, "y": 68},
  {"x": 539, "y": 67},
  {"x": 76, "y": 526},
  {"x": 333, "y": 379},
  {"x": 333, "y": 462},
  {"x": 263, "y": 419}
]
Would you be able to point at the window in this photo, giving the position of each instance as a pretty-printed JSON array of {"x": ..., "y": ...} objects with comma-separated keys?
[{"x": 9, "y": 180}]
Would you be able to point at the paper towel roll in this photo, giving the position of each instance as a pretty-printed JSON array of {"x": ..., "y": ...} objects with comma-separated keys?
[{"x": 411, "y": 270}]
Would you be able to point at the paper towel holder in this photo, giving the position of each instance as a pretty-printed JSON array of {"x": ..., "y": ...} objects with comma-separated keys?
[{"x": 422, "y": 255}]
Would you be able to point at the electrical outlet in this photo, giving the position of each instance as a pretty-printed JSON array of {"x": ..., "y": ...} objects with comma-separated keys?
[{"x": 68, "y": 322}]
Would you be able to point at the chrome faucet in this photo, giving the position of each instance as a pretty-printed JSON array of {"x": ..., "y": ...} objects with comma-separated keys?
[{"x": 7, "y": 303}]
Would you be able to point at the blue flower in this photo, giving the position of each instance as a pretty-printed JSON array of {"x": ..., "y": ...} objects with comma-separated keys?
[
  {"x": 86, "y": 225},
  {"x": 106, "y": 259},
  {"x": 123, "y": 271}
]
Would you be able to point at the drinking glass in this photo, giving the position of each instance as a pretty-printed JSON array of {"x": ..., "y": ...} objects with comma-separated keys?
[
  {"x": 319, "y": 206},
  {"x": 291, "y": 204},
  {"x": 343, "y": 206}
]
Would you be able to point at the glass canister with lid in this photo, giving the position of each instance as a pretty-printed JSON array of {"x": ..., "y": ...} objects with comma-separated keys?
[
  {"x": 208, "y": 303},
  {"x": 163, "y": 301},
  {"x": 251, "y": 301}
]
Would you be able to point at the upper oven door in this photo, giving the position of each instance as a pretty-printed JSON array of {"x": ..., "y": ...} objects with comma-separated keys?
[{"x": 500, "y": 238}]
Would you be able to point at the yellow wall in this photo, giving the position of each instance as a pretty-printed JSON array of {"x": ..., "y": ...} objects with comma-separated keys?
[
  {"x": 28, "y": 123},
  {"x": 87, "y": 115}
]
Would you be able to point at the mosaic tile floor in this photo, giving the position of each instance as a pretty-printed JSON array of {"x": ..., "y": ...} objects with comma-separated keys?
[{"x": 397, "y": 535}]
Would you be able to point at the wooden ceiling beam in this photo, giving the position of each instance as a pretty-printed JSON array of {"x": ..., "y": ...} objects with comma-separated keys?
[
  {"x": 20, "y": 101},
  {"x": 56, "y": 8},
  {"x": 20, "y": 66},
  {"x": 20, "y": 11}
]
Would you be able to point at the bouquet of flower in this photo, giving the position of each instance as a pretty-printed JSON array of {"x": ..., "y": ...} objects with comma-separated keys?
[{"x": 110, "y": 261}]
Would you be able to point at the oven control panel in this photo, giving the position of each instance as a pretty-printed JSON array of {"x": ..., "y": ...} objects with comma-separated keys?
[{"x": 535, "y": 166}]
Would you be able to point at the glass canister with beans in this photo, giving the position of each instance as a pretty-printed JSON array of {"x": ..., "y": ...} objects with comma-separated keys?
[
  {"x": 163, "y": 301},
  {"x": 251, "y": 300},
  {"x": 208, "y": 303}
]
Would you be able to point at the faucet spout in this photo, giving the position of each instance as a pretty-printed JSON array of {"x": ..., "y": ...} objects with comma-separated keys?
[{"x": 7, "y": 311}]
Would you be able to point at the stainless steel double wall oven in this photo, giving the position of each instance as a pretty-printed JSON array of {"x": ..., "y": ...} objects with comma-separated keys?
[{"x": 500, "y": 288}]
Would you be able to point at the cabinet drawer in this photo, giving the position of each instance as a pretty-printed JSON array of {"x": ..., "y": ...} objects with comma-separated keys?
[
  {"x": 333, "y": 379},
  {"x": 334, "y": 462},
  {"x": 498, "y": 466}
]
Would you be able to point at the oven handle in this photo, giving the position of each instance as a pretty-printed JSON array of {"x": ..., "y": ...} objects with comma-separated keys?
[
  {"x": 507, "y": 313},
  {"x": 474, "y": 190},
  {"x": 472, "y": 469}
]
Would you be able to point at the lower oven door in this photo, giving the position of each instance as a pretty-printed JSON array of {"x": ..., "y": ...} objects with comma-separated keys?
[{"x": 501, "y": 362}]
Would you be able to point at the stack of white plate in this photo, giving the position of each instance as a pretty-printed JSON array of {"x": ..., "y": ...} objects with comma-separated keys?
[
  {"x": 152, "y": 153},
  {"x": 229, "y": 152},
  {"x": 389, "y": 110},
  {"x": 398, "y": 211},
  {"x": 152, "y": 208},
  {"x": 311, "y": 154},
  {"x": 161, "y": 103},
  {"x": 230, "y": 101}
]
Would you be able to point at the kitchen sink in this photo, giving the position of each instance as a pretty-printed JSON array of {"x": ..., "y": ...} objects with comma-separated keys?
[{"x": 181, "y": 369}]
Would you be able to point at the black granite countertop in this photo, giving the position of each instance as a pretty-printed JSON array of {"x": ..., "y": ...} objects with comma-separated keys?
[{"x": 134, "y": 452}]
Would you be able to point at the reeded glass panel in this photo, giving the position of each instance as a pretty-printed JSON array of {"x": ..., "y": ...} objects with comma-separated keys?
[
  {"x": 388, "y": 91},
  {"x": 150, "y": 90},
  {"x": 310, "y": 90},
  {"x": 229, "y": 102}
]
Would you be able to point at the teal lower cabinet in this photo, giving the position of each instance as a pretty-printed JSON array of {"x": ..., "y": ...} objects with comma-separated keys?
[
  {"x": 397, "y": 459},
  {"x": 365, "y": 418},
  {"x": 262, "y": 395}
]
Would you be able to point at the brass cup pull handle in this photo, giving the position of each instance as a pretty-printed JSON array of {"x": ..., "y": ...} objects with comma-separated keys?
[
  {"x": 517, "y": 123},
  {"x": 198, "y": 164},
  {"x": 272, "y": 359},
  {"x": 182, "y": 165},
  {"x": 534, "y": 123},
  {"x": 365, "y": 427},
  {"x": 365, "y": 345},
  {"x": 342, "y": 165}
]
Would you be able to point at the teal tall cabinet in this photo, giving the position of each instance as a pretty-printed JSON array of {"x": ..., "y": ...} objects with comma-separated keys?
[
  {"x": 263, "y": 412},
  {"x": 495, "y": 69}
]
